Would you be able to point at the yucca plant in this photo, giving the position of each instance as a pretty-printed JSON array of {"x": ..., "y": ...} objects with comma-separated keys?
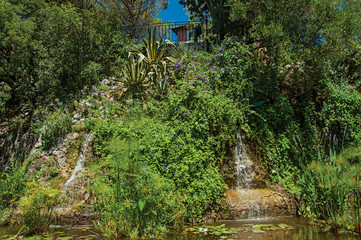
[{"x": 135, "y": 77}]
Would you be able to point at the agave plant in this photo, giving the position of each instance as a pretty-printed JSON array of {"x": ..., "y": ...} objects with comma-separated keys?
[
  {"x": 153, "y": 54},
  {"x": 177, "y": 51},
  {"x": 135, "y": 77},
  {"x": 161, "y": 88}
]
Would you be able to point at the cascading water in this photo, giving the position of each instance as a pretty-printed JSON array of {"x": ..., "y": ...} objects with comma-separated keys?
[
  {"x": 247, "y": 196},
  {"x": 243, "y": 164},
  {"x": 80, "y": 163},
  {"x": 247, "y": 200}
]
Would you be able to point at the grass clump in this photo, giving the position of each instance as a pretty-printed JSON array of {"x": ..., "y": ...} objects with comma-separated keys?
[{"x": 331, "y": 191}]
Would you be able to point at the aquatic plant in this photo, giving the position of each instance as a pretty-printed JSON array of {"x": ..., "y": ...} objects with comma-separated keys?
[
  {"x": 133, "y": 200},
  {"x": 330, "y": 190},
  {"x": 36, "y": 208}
]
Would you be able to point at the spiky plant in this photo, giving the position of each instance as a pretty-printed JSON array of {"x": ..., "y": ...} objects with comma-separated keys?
[
  {"x": 135, "y": 77},
  {"x": 153, "y": 54}
]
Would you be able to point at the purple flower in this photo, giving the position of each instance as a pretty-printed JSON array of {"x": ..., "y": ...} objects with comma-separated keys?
[
  {"x": 177, "y": 158},
  {"x": 144, "y": 164},
  {"x": 212, "y": 86},
  {"x": 165, "y": 165},
  {"x": 179, "y": 119},
  {"x": 181, "y": 144},
  {"x": 175, "y": 135},
  {"x": 179, "y": 109},
  {"x": 152, "y": 154}
]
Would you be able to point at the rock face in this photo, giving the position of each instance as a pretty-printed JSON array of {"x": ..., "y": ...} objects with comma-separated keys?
[
  {"x": 15, "y": 144},
  {"x": 249, "y": 197},
  {"x": 254, "y": 203}
]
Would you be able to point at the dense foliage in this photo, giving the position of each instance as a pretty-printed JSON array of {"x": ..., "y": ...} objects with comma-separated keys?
[
  {"x": 285, "y": 75},
  {"x": 134, "y": 201},
  {"x": 52, "y": 48}
]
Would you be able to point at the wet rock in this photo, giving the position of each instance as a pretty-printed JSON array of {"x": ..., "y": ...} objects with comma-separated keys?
[
  {"x": 254, "y": 203},
  {"x": 67, "y": 216}
]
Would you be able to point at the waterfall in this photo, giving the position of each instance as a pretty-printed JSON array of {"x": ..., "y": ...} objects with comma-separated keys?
[
  {"x": 79, "y": 164},
  {"x": 243, "y": 165},
  {"x": 250, "y": 198}
]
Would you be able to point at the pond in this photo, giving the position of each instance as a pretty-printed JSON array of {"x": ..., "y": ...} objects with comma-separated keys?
[{"x": 276, "y": 228}]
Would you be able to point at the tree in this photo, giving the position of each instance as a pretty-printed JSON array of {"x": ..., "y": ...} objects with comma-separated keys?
[
  {"x": 136, "y": 15},
  {"x": 52, "y": 48},
  {"x": 217, "y": 10},
  {"x": 299, "y": 24}
]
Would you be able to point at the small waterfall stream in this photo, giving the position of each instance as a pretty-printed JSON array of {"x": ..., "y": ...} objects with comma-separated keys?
[
  {"x": 80, "y": 163},
  {"x": 250, "y": 199},
  {"x": 243, "y": 164}
]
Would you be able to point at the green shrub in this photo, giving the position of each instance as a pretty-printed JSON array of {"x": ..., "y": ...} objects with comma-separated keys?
[
  {"x": 4, "y": 95},
  {"x": 186, "y": 136},
  {"x": 56, "y": 125},
  {"x": 12, "y": 188},
  {"x": 133, "y": 200},
  {"x": 36, "y": 208}
]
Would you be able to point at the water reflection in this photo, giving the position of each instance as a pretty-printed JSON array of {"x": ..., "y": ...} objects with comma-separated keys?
[
  {"x": 301, "y": 230},
  {"x": 285, "y": 228}
]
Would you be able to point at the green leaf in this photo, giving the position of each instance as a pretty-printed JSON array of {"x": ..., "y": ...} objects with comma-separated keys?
[{"x": 142, "y": 204}]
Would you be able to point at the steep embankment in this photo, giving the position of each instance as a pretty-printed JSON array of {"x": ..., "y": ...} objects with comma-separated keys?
[{"x": 67, "y": 164}]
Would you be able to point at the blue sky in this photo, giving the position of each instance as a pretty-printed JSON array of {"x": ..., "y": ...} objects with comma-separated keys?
[{"x": 174, "y": 12}]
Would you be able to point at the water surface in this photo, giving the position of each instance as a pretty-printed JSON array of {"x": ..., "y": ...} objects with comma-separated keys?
[{"x": 276, "y": 228}]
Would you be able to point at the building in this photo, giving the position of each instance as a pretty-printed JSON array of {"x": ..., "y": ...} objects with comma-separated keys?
[{"x": 188, "y": 34}]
